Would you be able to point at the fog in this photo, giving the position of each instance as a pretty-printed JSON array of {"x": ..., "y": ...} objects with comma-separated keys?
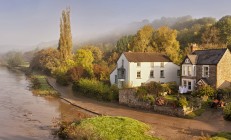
[{"x": 27, "y": 24}]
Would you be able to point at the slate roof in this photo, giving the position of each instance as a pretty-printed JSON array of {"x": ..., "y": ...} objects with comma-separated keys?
[
  {"x": 146, "y": 57},
  {"x": 207, "y": 57}
]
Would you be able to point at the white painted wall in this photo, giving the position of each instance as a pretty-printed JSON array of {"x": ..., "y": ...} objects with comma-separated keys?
[
  {"x": 112, "y": 76},
  {"x": 170, "y": 73}
]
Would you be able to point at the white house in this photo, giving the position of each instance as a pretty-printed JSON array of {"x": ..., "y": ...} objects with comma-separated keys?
[{"x": 135, "y": 68}]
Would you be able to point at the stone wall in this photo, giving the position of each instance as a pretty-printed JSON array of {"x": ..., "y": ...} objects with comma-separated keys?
[
  {"x": 224, "y": 71},
  {"x": 212, "y": 79},
  {"x": 128, "y": 97}
]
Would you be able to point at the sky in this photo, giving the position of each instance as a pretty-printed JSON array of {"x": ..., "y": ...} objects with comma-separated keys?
[{"x": 30, "y": 22}]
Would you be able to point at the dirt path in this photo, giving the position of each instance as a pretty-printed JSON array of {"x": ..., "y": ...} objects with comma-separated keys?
[{"x": 166, "y": 127}]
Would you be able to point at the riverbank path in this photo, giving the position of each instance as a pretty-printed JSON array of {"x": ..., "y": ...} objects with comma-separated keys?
[{"x": 163, "y": 126}]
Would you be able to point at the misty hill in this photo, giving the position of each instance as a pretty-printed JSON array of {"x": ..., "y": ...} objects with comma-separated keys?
[{"x": 178, "y": 23}]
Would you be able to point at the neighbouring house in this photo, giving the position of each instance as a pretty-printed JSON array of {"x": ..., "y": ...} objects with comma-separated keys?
[
  {"x": 136, "y": 68},
  {"x": 206, "y": 67}
]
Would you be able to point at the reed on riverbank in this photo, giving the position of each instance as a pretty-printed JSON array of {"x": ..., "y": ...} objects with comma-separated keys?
[{"x": 41, "y": 87}]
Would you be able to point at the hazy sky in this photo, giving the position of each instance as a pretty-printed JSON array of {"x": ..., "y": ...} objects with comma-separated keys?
[{"x": 30, "y": 22}]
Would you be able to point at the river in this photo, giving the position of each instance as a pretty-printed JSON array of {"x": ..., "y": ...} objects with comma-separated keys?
[{"x": 24, "y": 116}]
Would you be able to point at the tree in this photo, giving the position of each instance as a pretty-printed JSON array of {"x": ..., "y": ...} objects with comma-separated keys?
[
  {"x": 14, "y": 59},
  {"x": 224, "y": 25},
  {"x": 124, "y": 44},
  {"x": 96, "y": 52},
  {"x": 46, "y": 59},
  {"x": 65, "y": 40},
  {"x": 101, "y": 72},
  {"x": 210, "y": 35},
  {"x": 164, "y": 41},
  {"x": 142, "y": 39},
  {"x": 85, "y": 59}
]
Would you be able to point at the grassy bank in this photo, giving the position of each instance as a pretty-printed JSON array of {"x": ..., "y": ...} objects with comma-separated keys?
[
  {"x": 106, "y": 128},
  {"x": 41, "y": 87}
]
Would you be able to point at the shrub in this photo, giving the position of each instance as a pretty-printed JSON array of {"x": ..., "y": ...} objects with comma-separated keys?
[
  {"x": 227, "y": 112},
  {"x": 170, "y": 88},
  {"x": 154, "y": 88},
  {"x": 62, "y": 79},
  {"x": 205, "y": 91},
  {"x": 226, "y": 92},
  {"x": 76, "y": 73},
  {"x": 141, "y": 92},
  {"x": 94, "y": 88},
  {"x": 183, "y": 101}
]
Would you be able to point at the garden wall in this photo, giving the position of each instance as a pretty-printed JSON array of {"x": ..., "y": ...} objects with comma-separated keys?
[{"x": 128, "y": 97}]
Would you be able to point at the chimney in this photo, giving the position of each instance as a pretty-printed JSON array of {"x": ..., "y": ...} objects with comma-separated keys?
[{"x": 194, "y": 47}]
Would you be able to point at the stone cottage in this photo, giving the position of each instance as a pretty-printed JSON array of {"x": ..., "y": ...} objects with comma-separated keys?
[{"x": 206, "y": 67}]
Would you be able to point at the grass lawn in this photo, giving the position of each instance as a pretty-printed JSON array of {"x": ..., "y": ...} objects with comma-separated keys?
[
  {"x": 109, "y": 128},
  {"x": 41, "y": 87}
]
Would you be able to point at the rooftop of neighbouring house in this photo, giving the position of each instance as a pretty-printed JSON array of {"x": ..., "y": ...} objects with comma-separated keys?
[
  {"x": 146, "y": 57},
  {"x": 206, "y": 57}
]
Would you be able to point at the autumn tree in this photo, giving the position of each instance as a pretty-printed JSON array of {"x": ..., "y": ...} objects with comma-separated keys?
[
  {"x": 65, "y": 40},
  {"x": 142, "y": 39},
  {"x": 46, "y": 59},
  {"x": 164, "y": 41},
  {"x": 96, "y": 52},
  {"x": 210, "y": 35},
  {"x": 85, "y": 59},
  {"x": 224, "y": 25}
]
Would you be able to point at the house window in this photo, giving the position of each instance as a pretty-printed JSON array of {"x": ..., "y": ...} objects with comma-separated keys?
[
  {"x": 189, "y": 71},
  {"x": 122, "y": 63},
  {"x": 183, "y": 69},
  {"x": 178, "y": 73},
  {"x": 162, "y": 64},
  {"x": 151, "y": 74},
  {"x": 115, "y": 79},
  {"x": 205, "y": 71},
  {"x": 152, "y": 65},
  {"x": 194, "y": 68},
  {"x": 138, "y": 64},
  {"x": 189, "y": 85},
  {"x": 138, "y": 75},
  {"x": 184, "y": 83},
  {"x": 162, "y": 74}
]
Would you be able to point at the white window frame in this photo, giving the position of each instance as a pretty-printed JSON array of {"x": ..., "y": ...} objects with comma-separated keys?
[
  {"x": 189, "y": 71},
  {"x": 203, "y": 71},
  {"x": 138, "y": 75},
  {"x": 162, "y": 75},
  {"x": 151, "y": 75}
]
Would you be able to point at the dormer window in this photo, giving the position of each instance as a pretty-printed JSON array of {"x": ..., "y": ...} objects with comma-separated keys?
[{"x": 187, "y": 60}]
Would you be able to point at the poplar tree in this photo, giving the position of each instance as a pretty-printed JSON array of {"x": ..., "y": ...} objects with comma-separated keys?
[{"x": 65, "y": 40}]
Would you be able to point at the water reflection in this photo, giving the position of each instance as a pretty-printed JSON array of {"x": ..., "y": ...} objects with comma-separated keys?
[{"x": 24, "y": 116}]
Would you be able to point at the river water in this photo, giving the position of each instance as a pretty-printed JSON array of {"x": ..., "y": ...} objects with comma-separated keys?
[{"x": 24, "y": 116}]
